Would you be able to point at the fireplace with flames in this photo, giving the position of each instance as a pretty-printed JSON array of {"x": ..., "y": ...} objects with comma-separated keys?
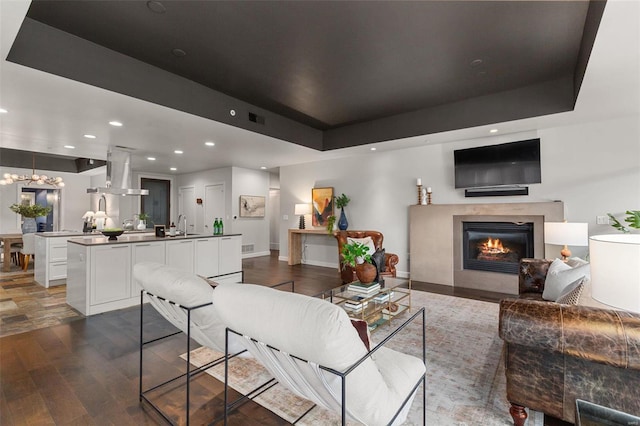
[{"x": 496, "y": 246}]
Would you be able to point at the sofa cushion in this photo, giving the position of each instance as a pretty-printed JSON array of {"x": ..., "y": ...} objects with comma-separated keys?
[
  {"x": 362, "y": 328},
  {"x": 571, "y": 293},
  {"x": 559, "y": 276}
]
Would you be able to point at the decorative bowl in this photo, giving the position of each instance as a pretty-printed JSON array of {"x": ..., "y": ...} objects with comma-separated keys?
[{"x": 112, "y": 233}]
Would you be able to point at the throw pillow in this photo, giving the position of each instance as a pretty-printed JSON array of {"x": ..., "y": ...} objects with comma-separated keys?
[
  {"x": 571, "y": 294},
  {"x": 362, "y": 328},
  {"x": 559, "y": 276},
  {"x": 378, "y": 259}
]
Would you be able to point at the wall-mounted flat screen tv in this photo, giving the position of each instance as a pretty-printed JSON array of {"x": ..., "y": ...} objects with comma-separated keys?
[{"x": 513, "y": 163}]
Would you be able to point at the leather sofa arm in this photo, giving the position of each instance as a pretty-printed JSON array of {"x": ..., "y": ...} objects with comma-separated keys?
[
  {"x": 391, "y": 260},
  {"x": 600, "y": 335}
]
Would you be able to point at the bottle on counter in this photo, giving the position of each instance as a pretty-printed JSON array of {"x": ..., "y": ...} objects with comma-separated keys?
[
  {"x": 220, "y": 227},
  {"x": 172, "y": 229},
  {"x": 215, "y": 227}
]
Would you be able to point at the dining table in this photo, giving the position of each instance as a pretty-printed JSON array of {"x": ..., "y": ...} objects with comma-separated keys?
[{"x": 7, "y": 240}]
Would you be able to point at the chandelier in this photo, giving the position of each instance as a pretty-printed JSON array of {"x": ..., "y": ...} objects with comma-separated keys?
[{"x": 9, "y": 178}]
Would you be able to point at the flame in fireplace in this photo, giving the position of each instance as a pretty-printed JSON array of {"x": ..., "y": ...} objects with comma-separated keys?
[{"x": 492, "y": 246}]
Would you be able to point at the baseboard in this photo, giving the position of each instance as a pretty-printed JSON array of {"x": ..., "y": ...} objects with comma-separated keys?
[
  {"x": 323, "y": 264},
  {"x": 256, "y": 254},
  {"x": 283, "y": 258}
]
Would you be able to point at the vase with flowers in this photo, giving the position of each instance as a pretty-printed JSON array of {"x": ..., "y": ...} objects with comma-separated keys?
[
  {"x": 341, "y": 202},
  {"x": 29, "y": 213}
]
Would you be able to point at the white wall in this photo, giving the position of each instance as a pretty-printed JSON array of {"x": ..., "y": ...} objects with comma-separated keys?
[
  {"x": 74, "y": 200},
  {"x": 594, "y": 168},
  {"x": 254, "y": 230},
  {"x": 237, "y": 181}
]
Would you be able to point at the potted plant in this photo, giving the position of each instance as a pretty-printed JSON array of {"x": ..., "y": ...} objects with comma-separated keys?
[
  {"x": 633, "y": 220},
  {"x": 142, "y": 224},
  {"x": 331, "y": 220},
  {"x": 341, "y": 202},
  {"x": 355, "y": 255},
  {"x": 29, "y": 212}
]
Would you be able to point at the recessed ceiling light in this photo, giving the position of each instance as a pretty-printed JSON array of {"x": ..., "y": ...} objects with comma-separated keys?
[
  {"x": 177, "y": 151},
  {"x": 263, "y": 168},
  {"x": 373, "y": 148},
  {"x": 179, "y": 53},
  {"x": 476, "y": 63},
  {"x": 156, "y": 6},
  {"x": 493, "y": 131},
  {"x": 232, "y": 112},
  {"x": 173, "y": 169},
  {"x": 115, "y": 123},
  {"x": 210, "y": 143},
  {"x": 89, "y": 136},
  {"x": 3, "y": 111},
  {"x": 70, "y": 147},
  {"x": 151, "y": 158}
]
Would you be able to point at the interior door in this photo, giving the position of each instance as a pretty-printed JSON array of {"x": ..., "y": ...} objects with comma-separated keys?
[
  {"x": 187, "y": 207},
  {"x": 214, "y": 207}
]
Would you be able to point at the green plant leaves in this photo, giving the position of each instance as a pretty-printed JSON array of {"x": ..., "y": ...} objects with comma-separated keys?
[{"x": 633, "y": 219}]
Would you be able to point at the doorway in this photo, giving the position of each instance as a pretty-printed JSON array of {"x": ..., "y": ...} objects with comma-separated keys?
[
  {"x": 214, "y": 206},
  {"x": 158, "y": 203},
  {"x": 47, "y": 197},
  {"x": 186, "y": 208}
]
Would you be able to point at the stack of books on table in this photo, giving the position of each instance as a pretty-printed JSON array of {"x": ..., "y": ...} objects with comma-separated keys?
[
  {"x": 355, "y": 304},
  {"x": 366, "y": 289},
  {"x": 383, "y": 297}
]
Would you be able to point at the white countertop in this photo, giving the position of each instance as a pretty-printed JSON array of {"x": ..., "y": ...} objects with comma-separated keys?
[{"x": 129, "y": 238}]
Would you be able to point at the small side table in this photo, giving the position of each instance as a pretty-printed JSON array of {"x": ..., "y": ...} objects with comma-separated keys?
[{"x": 590, "y": 414}]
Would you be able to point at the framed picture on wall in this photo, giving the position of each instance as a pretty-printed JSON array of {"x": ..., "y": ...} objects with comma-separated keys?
[
  {"x": 252, "y": 206},
  {"x": 322, "y": 205}
]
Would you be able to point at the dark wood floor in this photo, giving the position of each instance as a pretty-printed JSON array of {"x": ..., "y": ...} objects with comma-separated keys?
[{"x": 85, "y": 372}]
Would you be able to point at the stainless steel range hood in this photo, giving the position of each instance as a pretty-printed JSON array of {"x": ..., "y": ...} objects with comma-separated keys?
[{"x": 118, "y": 175}]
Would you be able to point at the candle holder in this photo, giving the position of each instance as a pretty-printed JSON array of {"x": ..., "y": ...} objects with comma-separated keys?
[
  {"x": 419, "y": 194},
  {"x": 428, "y": 198}
]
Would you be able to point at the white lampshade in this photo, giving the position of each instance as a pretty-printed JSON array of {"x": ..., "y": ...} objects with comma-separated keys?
[
  {"x": 615, "y": 270},
  {"x": 566, "y": 233},
  {"x": 302, "y": 209}
]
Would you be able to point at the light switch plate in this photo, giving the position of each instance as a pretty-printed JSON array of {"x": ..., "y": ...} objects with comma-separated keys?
[
  {"x": 602, "y": 220},
  {"x": 285, "y": 217}
]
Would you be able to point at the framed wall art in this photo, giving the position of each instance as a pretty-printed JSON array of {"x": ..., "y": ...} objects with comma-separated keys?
[
  {"x": 322, "y": 201},
  {"x": 252, "y": 206}
]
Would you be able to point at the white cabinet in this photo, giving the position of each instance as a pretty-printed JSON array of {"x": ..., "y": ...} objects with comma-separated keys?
[
  {"x": 145, "y": 252},
  {"x": 180, "y": 253},
  {"x": 100, "y": 274},
  {"x": 206, "y": 257},
  {"x": 50, "y": 263},
  {"x": 110, "y": 273},
  {"x": 230, "y": 254}
]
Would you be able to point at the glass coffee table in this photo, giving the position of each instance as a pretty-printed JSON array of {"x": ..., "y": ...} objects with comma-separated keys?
[
  {"x": 590, "y": 414},
  {"x": 377, "y": 304}
]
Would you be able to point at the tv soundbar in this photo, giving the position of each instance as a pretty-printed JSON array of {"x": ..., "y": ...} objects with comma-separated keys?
[{"x": 496, "y": 191}]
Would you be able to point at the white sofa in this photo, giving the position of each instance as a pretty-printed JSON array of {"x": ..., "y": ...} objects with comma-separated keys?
[{"x": 310, "y": 346}]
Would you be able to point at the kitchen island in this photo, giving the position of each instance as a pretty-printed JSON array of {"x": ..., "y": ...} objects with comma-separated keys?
[
  {"x": 50, "y": 261},
  {"x": 100, "y": 272}
]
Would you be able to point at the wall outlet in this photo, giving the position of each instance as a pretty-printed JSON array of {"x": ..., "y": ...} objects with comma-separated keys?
[{"x": 602, "y": 220}]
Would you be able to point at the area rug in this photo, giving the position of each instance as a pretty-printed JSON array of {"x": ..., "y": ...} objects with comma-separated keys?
[{"x": 465, "y": 372}]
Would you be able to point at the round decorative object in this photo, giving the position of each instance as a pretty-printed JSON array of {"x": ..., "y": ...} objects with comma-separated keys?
[
  {"x": 366, "y": 272},
  {"x": 112, "y": 234},
  {"x": 29, "y": 225},
  {"x": 343, "y": 224}
]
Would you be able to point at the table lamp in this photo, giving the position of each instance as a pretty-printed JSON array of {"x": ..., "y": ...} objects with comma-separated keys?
[
  {"x": 302, "y": 209},
  {"x": 615, "y": 270},
  {"x": 566, "y": 234}
]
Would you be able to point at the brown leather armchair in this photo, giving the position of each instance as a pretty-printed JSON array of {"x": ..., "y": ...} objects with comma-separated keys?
[
  {"x": 347, "y": 273},
  {"x": 555, "y": 354}
]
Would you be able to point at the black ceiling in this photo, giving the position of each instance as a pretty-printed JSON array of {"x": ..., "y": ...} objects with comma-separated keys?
[
  {"x": 324, "y": 74},
  {"x": 46, "y": 161}
]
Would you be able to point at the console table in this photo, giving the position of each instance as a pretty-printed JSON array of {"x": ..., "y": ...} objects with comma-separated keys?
[{"x": 295, "y": 242}]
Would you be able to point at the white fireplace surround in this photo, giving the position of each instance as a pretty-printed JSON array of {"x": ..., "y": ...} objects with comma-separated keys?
[{"x": 436, "y": 241}]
